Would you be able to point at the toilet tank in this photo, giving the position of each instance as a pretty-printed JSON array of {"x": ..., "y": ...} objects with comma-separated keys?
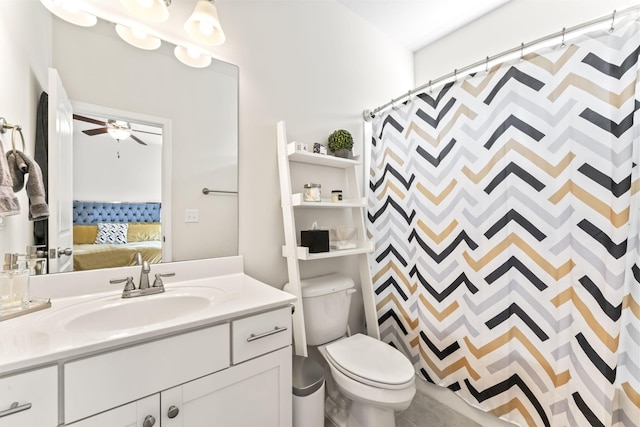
[{"x": 325, "y": 302}]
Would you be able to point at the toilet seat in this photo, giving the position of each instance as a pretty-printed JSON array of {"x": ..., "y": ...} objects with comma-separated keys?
[{"x": 370, "y": 361}]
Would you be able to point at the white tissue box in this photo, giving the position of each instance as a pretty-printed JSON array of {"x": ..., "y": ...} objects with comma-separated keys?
[{"x": 343, "y": 237}]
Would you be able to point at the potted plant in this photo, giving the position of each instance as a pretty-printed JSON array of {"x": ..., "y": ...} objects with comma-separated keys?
[{"x": 340, "y": 143}]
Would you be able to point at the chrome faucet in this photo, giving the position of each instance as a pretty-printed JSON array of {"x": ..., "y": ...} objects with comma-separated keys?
[{"x": 130, "y": 290}]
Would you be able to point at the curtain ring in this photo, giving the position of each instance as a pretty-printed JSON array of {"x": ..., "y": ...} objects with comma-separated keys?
[
  {"x": 486, "y": 65},
  {"x": 393, "y": 105},
  {"x": 455, "y": 75},
  {"x": 13, "y": 137},
  {"x": 409, "y": 99},
  {"x": 613, "y": 20},
  {"x": 563, "y": 32},
  {"x": 430, "y": 88},
  {"x": 522, "y": 51}
]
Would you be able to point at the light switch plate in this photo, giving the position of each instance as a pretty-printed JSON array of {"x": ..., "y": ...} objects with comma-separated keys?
[{"x": 191, "y": 215}]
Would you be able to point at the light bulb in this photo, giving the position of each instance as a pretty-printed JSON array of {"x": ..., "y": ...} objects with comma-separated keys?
[
  {"x": 146, "y": 3},
  {"x": 205, "y": 28},
  {"x": 138, "y": 33},
  {"x": 194, "y": 53}
]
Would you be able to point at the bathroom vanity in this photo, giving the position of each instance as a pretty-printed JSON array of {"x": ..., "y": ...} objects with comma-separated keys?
[{"x": 213, "y": 349}]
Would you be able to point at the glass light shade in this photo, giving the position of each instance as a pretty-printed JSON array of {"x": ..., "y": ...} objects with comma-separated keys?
[
  {"x": 67, "y": 10},
  {"x": 204, "y": 26},
  {"x": 149, "y": 10},
  {"x": 137, "y": 38},
  {"x": 118, "y": 133},
  {"x": 192, "y": 57}
]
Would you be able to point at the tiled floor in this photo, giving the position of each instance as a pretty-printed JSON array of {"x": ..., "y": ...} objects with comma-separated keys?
[{"x": 427, "y": 412}]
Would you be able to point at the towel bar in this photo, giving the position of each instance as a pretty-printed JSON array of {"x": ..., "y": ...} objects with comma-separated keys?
[{"x": 207, "y": 191}]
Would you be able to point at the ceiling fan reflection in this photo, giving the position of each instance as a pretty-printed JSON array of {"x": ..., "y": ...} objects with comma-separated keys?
[{"x": 118, "y": 129}]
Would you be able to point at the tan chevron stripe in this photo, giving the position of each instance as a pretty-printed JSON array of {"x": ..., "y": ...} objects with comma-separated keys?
[
  {"x": 391, "y": 298},
  {"x": 513, "y": 145},
  {"x": 451, "y": 368},
  {"x": 631, "y": 304},
  {"x": 517, "y": 405},
  {"x": 548, "y": 65},
  {"x": 505, "y": 339},
  {"x": 392, "y": 266},
  {"x": 632, "y": 394},
  {"x": 514, "y": 239},
  {"x": 635, "y": 186},
  {"x": 438, "y": 238},
  {"x": 587, "y": 315},
  {"x": 440, "y": 315},
  {"x": 415, "y": 342},
  {"x": 388, "y": 152},
  {"x": 617, "y": 219},
  {"x": 594, "y": 89},
  {"x": 452, "y": 121},
  {"x": 391, "y": 186},
  {"x": 477, "y": 90},
  {"x": 437, "y": 199}
]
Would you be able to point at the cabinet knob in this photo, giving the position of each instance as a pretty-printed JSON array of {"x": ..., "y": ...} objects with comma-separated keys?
[
  {"x": 173, "y": 411},
  {"x": 149, "y": 421}
]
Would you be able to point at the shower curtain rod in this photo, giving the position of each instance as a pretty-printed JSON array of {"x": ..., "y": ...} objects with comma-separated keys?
[{"x": 369, "y": 115}]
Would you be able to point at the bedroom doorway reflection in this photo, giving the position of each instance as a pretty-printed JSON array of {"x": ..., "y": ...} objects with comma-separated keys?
[{"x": 121, "y": 187}]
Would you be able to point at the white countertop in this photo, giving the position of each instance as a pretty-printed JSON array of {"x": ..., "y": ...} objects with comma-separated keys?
[{"x": 36, "y": 340}]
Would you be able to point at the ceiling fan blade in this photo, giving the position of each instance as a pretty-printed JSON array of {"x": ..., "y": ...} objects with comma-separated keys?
[
  {"x": 97, "y": 131},
  {"x": 138, "y": 140},
  {"x": 88, "y": 120},
  {"x": 146, "y": 131}
]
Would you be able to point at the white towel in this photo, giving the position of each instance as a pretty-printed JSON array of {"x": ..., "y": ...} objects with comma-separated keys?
[{"x": 8, "y": 201}]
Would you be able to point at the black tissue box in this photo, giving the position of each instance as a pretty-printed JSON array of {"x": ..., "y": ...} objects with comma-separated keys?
[{"x": 315, "y": 240}]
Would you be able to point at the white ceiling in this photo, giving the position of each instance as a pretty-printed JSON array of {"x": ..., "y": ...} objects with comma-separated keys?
[{"x": 416, "y": 23}]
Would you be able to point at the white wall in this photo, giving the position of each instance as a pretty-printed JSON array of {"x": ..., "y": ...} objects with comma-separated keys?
[
  {"x": 25, "y": 58},
  {"x": 520, "y": 21},
  {"x": 317, "y": 66}
]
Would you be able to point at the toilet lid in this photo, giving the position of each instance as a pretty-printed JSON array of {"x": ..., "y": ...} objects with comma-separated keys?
[{"x": 363, "y": 357}]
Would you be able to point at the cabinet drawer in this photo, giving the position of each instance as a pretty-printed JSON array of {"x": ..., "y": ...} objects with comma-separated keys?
[
  {"x": 111, "y": 379},
  {"x": 260, "y": 334},
  {"x": 36, "y": 388}
]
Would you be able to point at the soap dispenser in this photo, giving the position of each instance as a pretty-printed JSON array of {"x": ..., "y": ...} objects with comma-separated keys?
[{"x": 14, "y": 283}]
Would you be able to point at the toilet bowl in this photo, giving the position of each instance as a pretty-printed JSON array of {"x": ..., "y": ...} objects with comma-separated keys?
[{"x": 377, "y": 379}]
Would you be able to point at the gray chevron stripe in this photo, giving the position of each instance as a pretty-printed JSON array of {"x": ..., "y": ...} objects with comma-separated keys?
[
  {"x": 516, "y": 357},
  {"x": 621, "y": 417},
  {"x": 593, "y": 145},
  {"x": 588, "y": 382},
  {"x": 562, "y": 351},
  {"x": 442, "y": 335},
  {"x": 634, "y": 333},
  {"x": 502, "y": 295},
  {"x": 398, "y": 338},
  {"x": 627, "y": 361},
  {"x": 498, "y": 205},
  {"x": 563, "y": 407},
  {"x": 387, "y": 218},
  {"x": 616, "y": 40},
  {"x": 615, "y": 281},
  {"x": 397, "y": 143},
  {"x": 427, "y": 271},
  {"x": 444, "y": 172},
  {"x": 416, "y": 203},
  {"x": 552, "y": 116}
]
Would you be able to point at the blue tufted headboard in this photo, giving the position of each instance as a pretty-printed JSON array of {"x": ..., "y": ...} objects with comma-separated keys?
[{"x": 85, "y": 213}]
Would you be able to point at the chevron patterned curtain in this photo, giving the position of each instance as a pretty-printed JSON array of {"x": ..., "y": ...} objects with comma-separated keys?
[{"x": 505, "y": 214}]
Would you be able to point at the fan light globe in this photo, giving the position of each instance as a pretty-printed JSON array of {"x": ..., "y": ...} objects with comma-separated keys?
[
  {"x": 68, "y": 10},
  {"x": 138, "y": 37},
  {"x": 192, "y": 57},
  {"x": 204, "y": 26},
  {"x": 148, "y": 10}
]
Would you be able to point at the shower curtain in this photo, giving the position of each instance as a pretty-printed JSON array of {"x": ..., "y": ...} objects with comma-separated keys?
[{"x": 504, "y": 207}]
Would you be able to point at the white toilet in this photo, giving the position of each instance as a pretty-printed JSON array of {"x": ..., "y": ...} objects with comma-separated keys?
[{"x": 376, "y": 379}]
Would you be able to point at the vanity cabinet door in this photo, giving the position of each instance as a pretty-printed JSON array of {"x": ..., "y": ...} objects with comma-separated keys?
[
  {"x": 142, "y": 413},
  {"x": 30, "y": 399},
  {"x": 254, "y": 393}
]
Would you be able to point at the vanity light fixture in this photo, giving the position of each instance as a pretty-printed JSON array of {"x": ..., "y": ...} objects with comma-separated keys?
[
  {"x": 204, "y": 26},
  {"x": 138, "y": 37},
  {"x": 192, "y": 57},
  {"x": 148, "y": 10},
  {"x": 68, "y": 10}
]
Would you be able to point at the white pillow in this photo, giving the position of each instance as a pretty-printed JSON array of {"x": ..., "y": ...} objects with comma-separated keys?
[{"x": 112, "y": 232}]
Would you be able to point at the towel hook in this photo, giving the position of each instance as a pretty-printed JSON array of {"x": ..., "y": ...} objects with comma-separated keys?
[{"x": 613, "y": 20}]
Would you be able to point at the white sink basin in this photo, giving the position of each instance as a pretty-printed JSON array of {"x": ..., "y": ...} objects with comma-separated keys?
[{"x": 113, "y": 313}]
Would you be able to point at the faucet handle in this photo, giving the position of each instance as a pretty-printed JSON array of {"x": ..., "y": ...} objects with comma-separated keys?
[
  {"x": 129, "y": 286},
  {"x": 157, "y": 283}
]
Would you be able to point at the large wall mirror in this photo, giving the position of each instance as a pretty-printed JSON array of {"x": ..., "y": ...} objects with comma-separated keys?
[{"x": 105, "y": 79}]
